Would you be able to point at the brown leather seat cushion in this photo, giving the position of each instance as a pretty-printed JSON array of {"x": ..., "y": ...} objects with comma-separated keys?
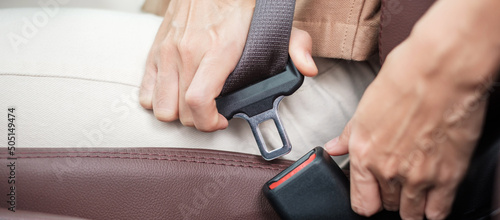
[{"x": 147, "y": 183}]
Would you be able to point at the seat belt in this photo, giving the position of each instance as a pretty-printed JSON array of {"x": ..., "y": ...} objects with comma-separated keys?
[{"x": 264, "y": 73}]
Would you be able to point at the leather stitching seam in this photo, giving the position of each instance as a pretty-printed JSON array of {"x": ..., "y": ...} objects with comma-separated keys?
[
  {"x": 158, "y": 155},
  {"x": 149, "y": 158}
]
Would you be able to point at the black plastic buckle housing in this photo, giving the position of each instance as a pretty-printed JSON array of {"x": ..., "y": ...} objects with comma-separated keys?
[
  {"x": 259, "y": 102},
  {"x": 314, "y": 187}
]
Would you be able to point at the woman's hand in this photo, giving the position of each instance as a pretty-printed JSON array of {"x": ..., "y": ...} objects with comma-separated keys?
[
  {"x": 416, "y": 127},
  {"x": 197, "y": 46}
]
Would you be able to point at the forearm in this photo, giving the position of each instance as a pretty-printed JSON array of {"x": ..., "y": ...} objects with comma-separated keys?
[{"x": 458, "y": 31}]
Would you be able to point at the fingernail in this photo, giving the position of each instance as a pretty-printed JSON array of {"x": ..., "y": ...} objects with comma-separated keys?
[{"x": 331, "y": 144}]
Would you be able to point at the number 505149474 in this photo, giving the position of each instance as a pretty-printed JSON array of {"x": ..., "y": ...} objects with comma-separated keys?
[{"x": 11, "y": 131}]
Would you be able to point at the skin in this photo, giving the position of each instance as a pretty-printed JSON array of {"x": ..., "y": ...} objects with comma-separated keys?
[
  {"x": 197, "y": 46},
  {"x": 416, "y": 127},
  {"x": 413, "y": 134}
]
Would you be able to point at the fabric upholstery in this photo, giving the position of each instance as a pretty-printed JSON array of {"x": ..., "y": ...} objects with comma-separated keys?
[{"x": 75, "y": 84}]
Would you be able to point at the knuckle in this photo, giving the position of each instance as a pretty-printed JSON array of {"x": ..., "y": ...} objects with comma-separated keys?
[
  {"x": 195, "y": 99},
  {"x": 163, "y": 110},
  {"x": 445, "y": 178},
  {"x": 187, "y": 121},
  {"x": 206, "y": 128},
  {"x": 449, "y": 178},
  {"x": 389, "y": 174},
  {"x": 415, "y": 183},
  {"x": 186, "y": 48},
  {"x": 413, "y": 197},
  {"x": 166, "y": 49},
  {"x": 359, "y": 148},
  {"x": 418, "y": 181},
  {"x": 456, "y": 177},
  {"x": 165, "y": 116}
]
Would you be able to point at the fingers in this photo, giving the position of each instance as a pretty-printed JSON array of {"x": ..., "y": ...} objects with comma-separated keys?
[
  {"x": 185, "y": 78},
  {"x": 413, "y": 200},
  {"x": 439, "y": 202},
  {"x": 418, "y": 178},
  {"x": 390, "y": 193},
  {"x": 365, "y": 196},
  {"x": 389, "y": 181},
  {"x": 149, "y": 79},
  {"x": 300, "y": 51},
  {"x": 165, "y": 97},
  {"x": 204, "y": 88},
  {"x": 181, "y": 82},
  {"x": 148, "y": 85},
  {"x": 340, "y": 145}
]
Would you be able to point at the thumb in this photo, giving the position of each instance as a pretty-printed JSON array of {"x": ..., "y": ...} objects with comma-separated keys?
[
  {"x": 300, "y": 51},
  {"x": 340, "y": 145}
]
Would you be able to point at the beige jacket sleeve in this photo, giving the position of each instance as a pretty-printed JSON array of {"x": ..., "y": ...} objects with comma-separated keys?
[{"x": 345, "y": 29}]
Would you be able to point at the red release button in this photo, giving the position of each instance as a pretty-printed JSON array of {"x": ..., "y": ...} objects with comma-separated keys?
[{"x": 293, "y": 172}]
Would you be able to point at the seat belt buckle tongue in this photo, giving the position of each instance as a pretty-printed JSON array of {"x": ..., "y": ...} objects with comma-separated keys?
[{"x": 259, "y": 102}]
